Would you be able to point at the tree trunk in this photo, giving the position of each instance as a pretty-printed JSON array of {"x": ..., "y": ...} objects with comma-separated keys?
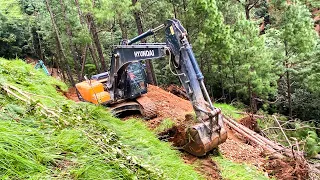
[
  {"x": 174, "y": 10},
  {"x": 79, "y": 11},
  {"x": 247, "y": 10},
  {"x": 289, "y": 93},
  {"x": 59, "y": 43},
  {"x": 150, "y": 72},
  {"x": 221, "y": 80},
  {"x": 123, "y": 29},
  {"x": 250, "y": 96},
  {"x": 90, "y": 46},
  {"x": 59, "y": 66},
  {"x": 36, "y": 43},
  {"x": 84, "y": 59},
  {"x": 288, "y": 82},
  {"x": 234, "y": 78},
  {"x": 94, "y": 57},
  {"x": 184, "y": 2},
  {"x": 95, "y": 37},
  {"x": 72, "y": 47}
]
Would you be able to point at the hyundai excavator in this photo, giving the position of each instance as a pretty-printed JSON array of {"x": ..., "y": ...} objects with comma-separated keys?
[{"x": 124, "y": 86}]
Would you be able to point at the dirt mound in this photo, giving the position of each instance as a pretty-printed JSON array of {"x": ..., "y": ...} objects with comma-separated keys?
[
  {"x": 287, "y": 169},
  {"x": 71, "y": 94},
  {"x": 251, "y": 123},
  {"x": 178, "y": 91},
  {"x": 168, "y": 106}
]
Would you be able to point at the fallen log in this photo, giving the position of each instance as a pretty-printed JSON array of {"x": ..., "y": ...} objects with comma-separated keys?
[
  {"x": 254, "y": 134},
  {"x": 265, "y": 146},
  {"x": 268, "y": 145}
]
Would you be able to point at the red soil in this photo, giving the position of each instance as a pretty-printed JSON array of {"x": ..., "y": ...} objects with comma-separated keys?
[{"x": 168, "y": 106}]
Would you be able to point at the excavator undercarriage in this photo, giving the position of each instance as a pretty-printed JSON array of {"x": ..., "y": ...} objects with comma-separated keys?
[
  {"x": 141, "y": 104},
  {"x": 123, "y": 88}
]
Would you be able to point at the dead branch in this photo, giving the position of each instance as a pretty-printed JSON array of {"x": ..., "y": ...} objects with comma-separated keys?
[
  {"x": 30, "y": 100},
  {"x": 26, "y": 98},
  {"x": 265, "y": 143},
  {"x": 275, "y": 118}
]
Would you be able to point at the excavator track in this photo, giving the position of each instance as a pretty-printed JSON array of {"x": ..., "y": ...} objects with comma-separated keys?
[{"x": 148, "y": 108}]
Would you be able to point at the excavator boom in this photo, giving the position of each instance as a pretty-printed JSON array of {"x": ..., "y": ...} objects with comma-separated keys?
[{"x": 208, "y": 132}]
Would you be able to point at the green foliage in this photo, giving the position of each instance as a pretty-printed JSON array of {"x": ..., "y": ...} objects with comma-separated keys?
[
  {"x": 164, "y": 125},
  {"x": 293, "y": 39},
  {"x": 237, "y": 171},
  {"x": 85, "y": 142},
  {"x": 303, "y": 132},
  {"x": 22, "y": 150},
  {"x": 251, "y": 62},
  {"x": 312, "y": 144},
  {"x": 13, "y": 36},
  {"x": 229, "y": 110},
  {"x": 11, "y": 9}
]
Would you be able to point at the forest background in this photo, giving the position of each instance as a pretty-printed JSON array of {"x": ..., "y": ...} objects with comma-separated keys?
[{"x": 261, "y": 54}]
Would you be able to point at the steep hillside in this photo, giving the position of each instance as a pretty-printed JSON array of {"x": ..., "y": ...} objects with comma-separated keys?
[{"x": 44, "y": 135}]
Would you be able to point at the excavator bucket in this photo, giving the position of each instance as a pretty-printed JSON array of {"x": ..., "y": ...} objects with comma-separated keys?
[{"x": 201, "y": 139}]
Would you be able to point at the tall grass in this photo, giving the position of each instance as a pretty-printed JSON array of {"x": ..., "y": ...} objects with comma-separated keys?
[{"x": 85, "y": 142}]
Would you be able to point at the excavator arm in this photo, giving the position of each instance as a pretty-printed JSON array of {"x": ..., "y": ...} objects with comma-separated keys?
[{"x": 209, "y": 132}]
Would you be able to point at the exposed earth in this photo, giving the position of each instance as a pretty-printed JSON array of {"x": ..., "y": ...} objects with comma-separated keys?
[{"x": 236, "y": 148}]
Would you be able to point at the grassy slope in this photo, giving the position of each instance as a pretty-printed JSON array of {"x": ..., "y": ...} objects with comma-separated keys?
[{"x": 85, "y": 142}]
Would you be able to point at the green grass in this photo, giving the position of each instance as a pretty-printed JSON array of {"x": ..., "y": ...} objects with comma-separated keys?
[
  {"x": 229, "y": 110},
  {"x": 164, "y": 125},
  {"x": 238, "y": 171},
  {"x": 85, "y": 142}
]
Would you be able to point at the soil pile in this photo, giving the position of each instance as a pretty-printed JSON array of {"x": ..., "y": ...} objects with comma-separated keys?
[
  {"x": 71, "y": 94},
  {"x": 287, "y": 169},
  {"x": 168, "y": 106},
  {"x": 178, "y": 91},
  {"x": 238, "y": 151}
]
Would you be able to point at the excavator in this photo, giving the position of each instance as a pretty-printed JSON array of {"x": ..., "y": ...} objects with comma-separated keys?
[{"x": 123, "y": 87}]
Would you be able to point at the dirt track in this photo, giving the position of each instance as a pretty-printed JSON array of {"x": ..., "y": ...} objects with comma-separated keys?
[{"x": 235, "y": 148}]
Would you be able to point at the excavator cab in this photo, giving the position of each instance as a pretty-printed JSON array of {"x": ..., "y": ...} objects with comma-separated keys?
[{"x": 136, "y": 81}]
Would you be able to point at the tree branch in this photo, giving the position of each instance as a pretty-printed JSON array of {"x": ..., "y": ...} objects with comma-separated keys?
[{"x": 253, "y": 4}]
